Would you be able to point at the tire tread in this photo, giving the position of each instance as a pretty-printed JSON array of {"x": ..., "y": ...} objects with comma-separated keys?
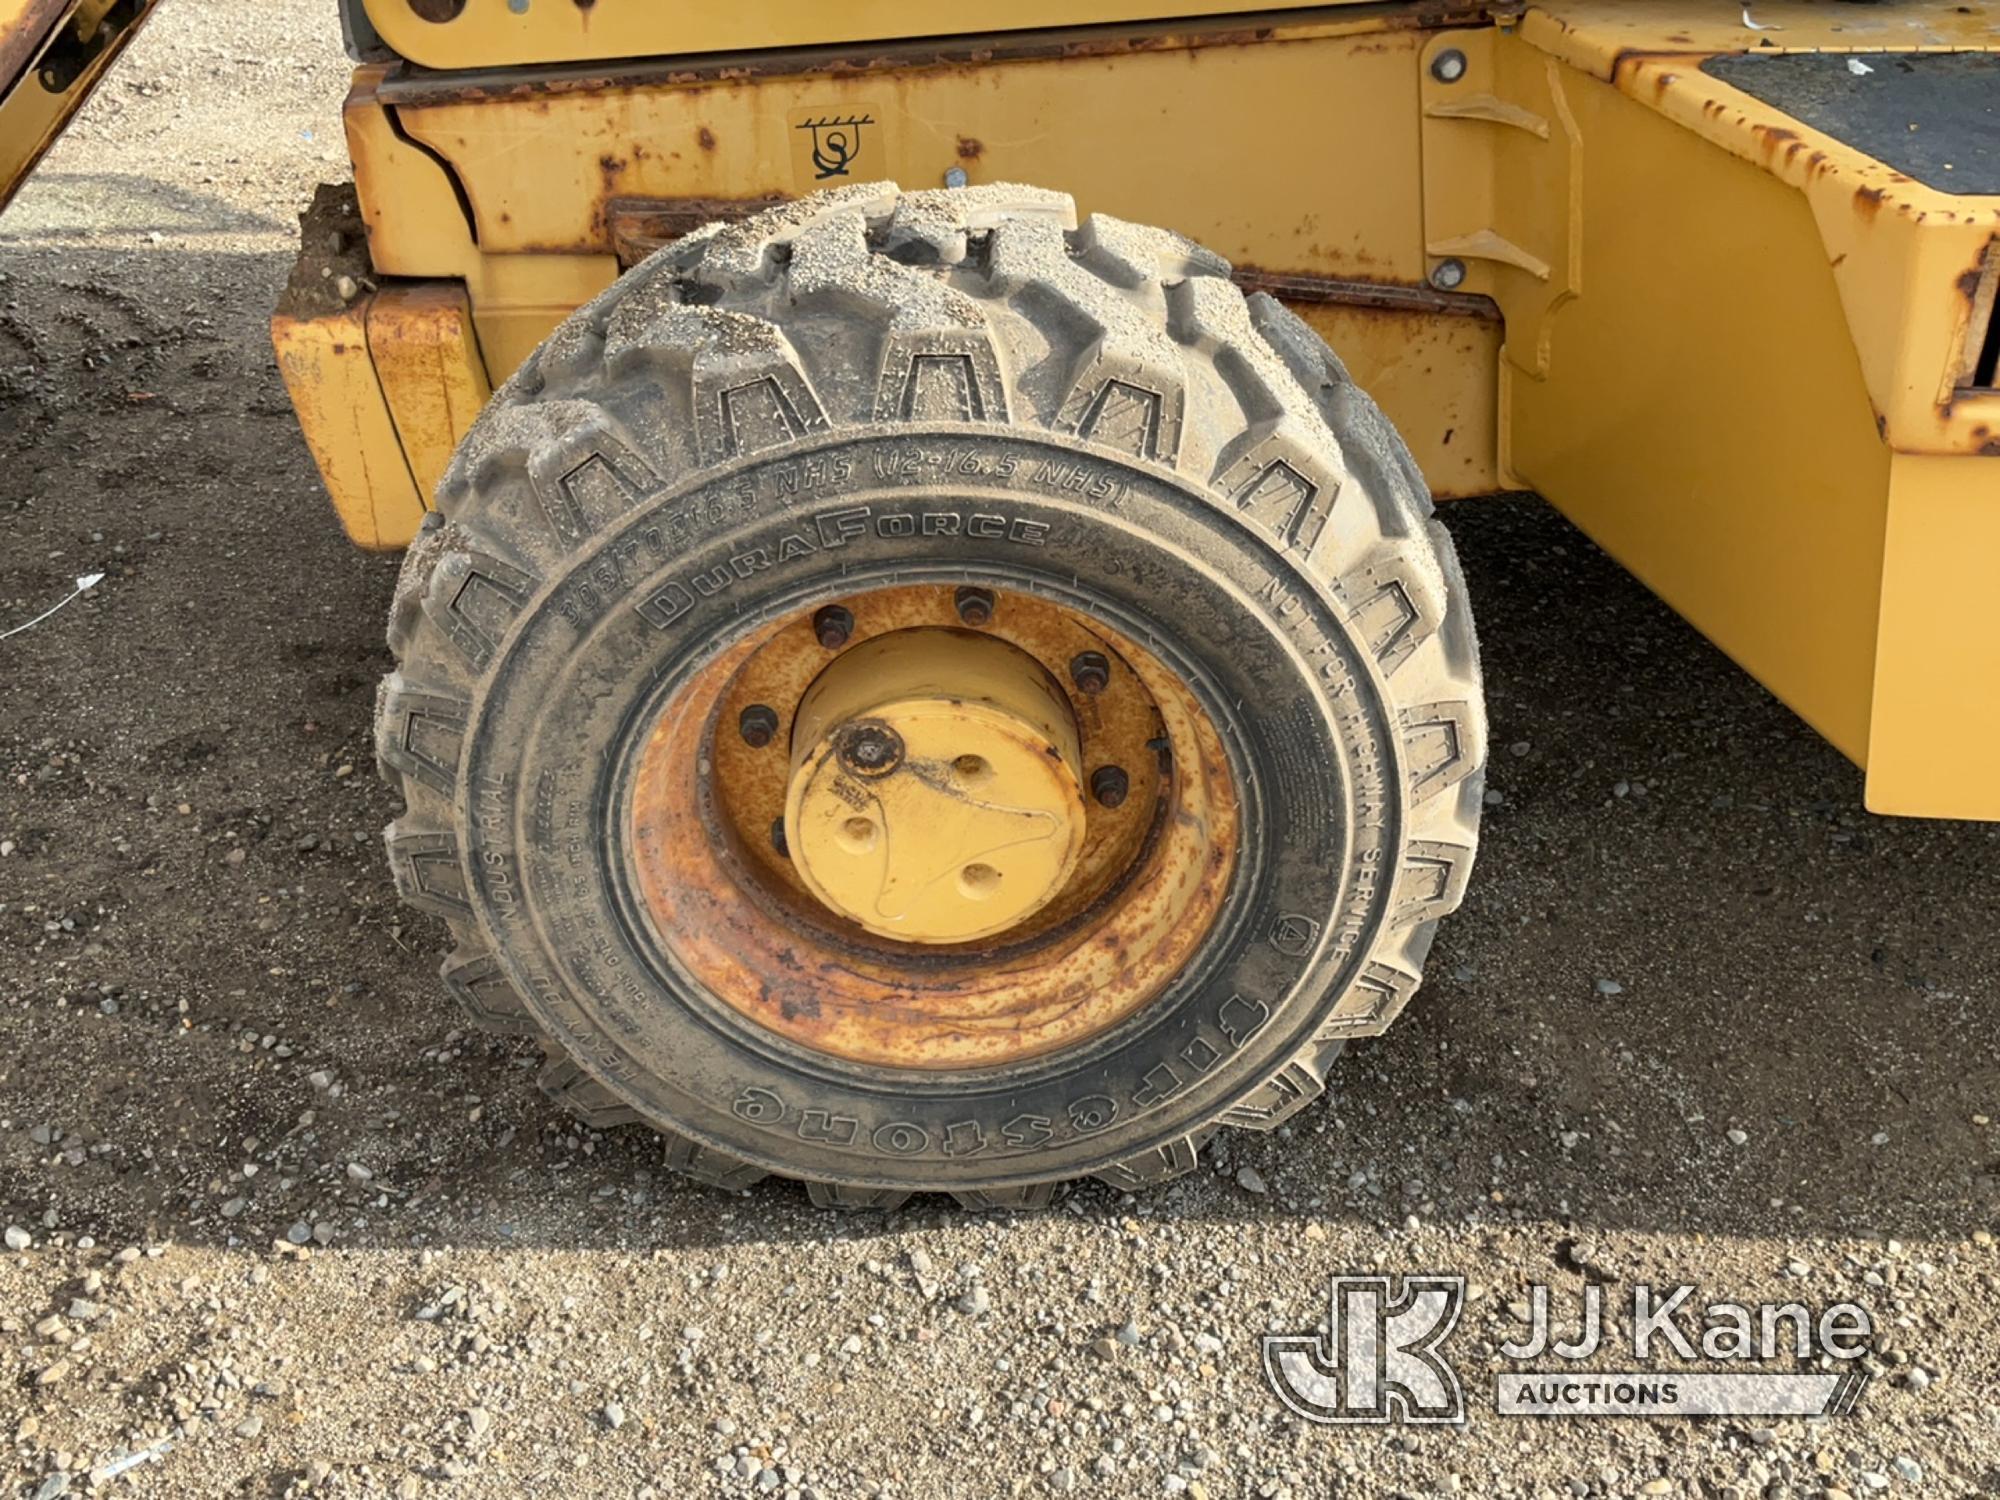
[{"x": 1127, "y": 313}]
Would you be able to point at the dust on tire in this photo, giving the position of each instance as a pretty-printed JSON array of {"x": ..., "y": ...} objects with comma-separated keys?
[{"x": 744, "y": 380}]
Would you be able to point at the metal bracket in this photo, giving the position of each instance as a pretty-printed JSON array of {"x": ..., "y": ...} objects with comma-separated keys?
[{"x": 1503, "y": 185}]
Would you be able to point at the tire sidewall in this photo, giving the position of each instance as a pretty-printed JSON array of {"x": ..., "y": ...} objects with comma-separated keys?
[{"x": 646, "y": 603}]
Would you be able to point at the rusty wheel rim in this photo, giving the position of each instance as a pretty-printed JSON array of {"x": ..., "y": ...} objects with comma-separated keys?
[{"x": 724, "y": 902}]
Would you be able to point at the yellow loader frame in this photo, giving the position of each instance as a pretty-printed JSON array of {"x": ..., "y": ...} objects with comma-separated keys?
[
  {"x": 52, "y": 54},
  {"x": 1684, "y": 269}
]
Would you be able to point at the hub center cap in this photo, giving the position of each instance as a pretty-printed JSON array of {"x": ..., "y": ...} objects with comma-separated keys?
[{"x": 936, "y": 790}]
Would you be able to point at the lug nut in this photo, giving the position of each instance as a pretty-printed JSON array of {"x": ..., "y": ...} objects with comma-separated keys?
[
  {"x": 1090, "y": 672},
  {"x": 757, "y": 724},
  {"x": 833, "y": 625},
  {"x": 870, "y": 749},
  {"x": 1109, "y": 784},
  {"x": 975, "y": 606},
  {"x": 778, "y": 838}
]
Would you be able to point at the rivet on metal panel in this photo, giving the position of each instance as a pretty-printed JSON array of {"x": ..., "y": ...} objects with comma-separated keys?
[
  {"x": 1448, "y": 66},
  {"x": 1448, "y": 275}
]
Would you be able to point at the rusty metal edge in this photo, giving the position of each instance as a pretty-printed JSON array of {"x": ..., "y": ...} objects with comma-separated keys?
[
  {"x": 1388, "y": 296},
  {"x": 409, "y": 84},
  {"x": 640, "y": 226}
]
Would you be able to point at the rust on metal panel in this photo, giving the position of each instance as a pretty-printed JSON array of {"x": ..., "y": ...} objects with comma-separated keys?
[
  {"x": 1599, "y": 37},
  {"x": 1909, "y": 260},
  {"x": 1390, "y": 296},
  {"x": 639, "y": 226},
  {"x": 413, "y": 85},
  {"x": 1149, "y": 883},
  {"x": 1978, "y": 375},
  {"x": 1905, "y": 256}
]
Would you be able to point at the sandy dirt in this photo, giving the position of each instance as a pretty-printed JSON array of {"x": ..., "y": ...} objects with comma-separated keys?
[{"x": 1702, "y": 1019}]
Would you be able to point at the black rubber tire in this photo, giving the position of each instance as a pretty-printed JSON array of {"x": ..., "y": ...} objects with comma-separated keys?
[{"x": 949, "y": 385}]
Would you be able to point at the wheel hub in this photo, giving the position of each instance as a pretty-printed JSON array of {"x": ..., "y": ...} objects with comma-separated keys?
[
  {"x": 745, "y": 867},
  {"x": 936, "y": 792}
]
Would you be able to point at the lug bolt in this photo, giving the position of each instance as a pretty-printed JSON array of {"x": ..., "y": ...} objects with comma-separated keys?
[
  {"x": 1109, "y": 784},
  {"x": 778, "y": 838},
  {"x": 1090, "y": 672},
  {"x": 870, "y": 749},
  {"x": 1448, "y": 66},
  {"x": 833, "y": 625},
  {"x": 975, "y": 606},
  {"x": 758, "y": 724}
]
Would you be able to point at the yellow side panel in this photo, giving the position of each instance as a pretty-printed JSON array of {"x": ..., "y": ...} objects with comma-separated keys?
[
  {"x": 1936, "y": 734},
  {"x": 1433, "y": 378},
  {"x": 1704, "y": 416},
  {"x": 1217, "y": 141},
  {"x": 1203, "y": 138},
  {"x": 347, "y": 425},
  {"x": 517, "y": 300},
  {"x": 415, "y": 228},
  {"x": 420, "y": 339}
]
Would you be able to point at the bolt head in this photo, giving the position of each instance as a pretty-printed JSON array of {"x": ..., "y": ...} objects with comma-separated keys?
[
  {"x": 1109, "y": 785},
  {"x": 1090, "y": 672},
  {"x": 954, "y": 177},
  {"x": 1448, "y": 275},
  {"x": 1448, "y": 66},
  {"x": 975, "y": 606},
  {"x": 833, "y": 625},
  {"x": 758, "y": 724}
]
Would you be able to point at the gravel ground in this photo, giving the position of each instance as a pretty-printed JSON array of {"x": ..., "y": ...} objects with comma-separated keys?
[{"x": 278, "y": 1225}]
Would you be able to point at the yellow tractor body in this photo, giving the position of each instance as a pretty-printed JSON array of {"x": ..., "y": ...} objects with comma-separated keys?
[
  {"x": 1722, "y": 293},
  {"x": 52, "y": 54}
]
